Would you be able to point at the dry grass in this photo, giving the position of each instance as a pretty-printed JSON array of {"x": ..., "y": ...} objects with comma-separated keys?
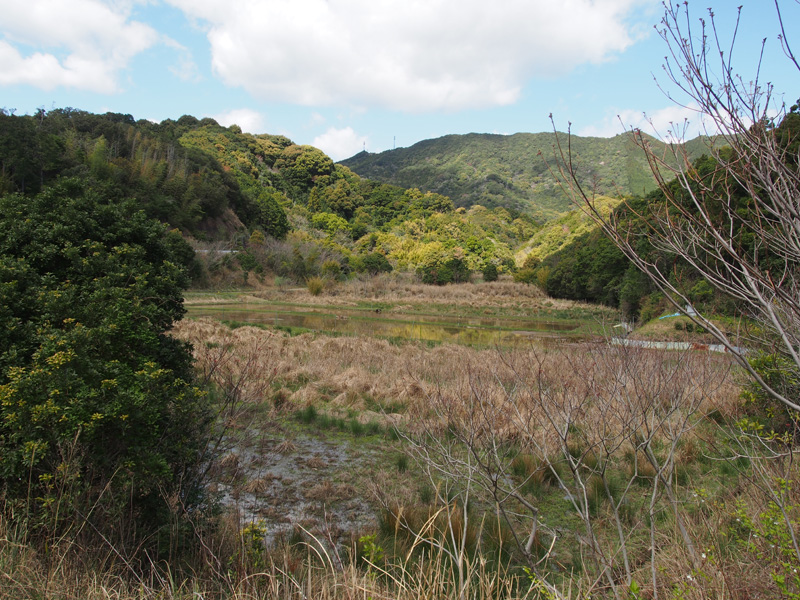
[
  {"x": 345, "y": 372},
  {"x": 338, "y": 373},
  {"x": 602, "y": 389},
  {"x": 308, "y": 570},
  {"x": 604, "y": 393},
  {"x": 404, "y": 288},
  {"x": 197, "y": 299}
]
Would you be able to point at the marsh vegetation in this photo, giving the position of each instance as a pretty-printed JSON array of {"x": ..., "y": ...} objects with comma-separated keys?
[
  {"x": 353, "y": 465},
  {"x": 372, "y": 395}
]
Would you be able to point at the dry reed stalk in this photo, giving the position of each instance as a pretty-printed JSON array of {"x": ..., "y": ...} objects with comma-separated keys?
[
  {"x": 606, "y": 395},
  {"x": 400, "y": 288},
  {"x": 590, "y": 384}
]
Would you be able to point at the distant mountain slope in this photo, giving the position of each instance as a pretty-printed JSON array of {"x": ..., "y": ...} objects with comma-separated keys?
[
  {"x": 217, "y": 184},
  {"x": 513, "y": 171},
  {"x": 563, "y": 231}
]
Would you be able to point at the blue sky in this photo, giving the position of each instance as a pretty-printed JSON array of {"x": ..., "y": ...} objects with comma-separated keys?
[{"x": 345, "y": 75}]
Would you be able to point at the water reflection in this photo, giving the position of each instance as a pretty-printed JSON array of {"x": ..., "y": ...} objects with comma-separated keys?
[{"x": 477, "y": 331}]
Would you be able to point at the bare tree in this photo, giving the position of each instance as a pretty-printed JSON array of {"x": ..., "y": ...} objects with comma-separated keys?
[
  {"x": 598, "y": 426},
  {"x": 739, "y": 224}
]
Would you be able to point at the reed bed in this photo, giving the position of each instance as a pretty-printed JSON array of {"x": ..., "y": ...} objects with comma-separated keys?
[
  {"x": 591, "y": 404},
  {"x": 404, "y": 288},
  {"x": 604, "y": 382}
]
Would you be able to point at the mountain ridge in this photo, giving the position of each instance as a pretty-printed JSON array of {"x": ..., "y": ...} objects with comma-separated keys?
[{"x": 518, "y": 172}]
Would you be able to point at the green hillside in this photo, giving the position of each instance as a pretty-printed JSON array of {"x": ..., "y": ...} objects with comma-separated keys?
[
  {"x": 516, "y": 171},
  {"x": 287, "y": 207},
  {"x": 563, "y": 231}
]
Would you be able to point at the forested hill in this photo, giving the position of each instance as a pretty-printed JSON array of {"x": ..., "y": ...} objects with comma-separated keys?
[
  {"x": 207, "y": 180},
  {"x": 513, "y": 171},
  {"x": 217, "y": 184}
]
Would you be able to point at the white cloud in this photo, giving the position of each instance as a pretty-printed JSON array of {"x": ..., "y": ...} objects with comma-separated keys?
[
  {"x": 185, "y": 68},
  {"x": 671, "y": 123},
  {"x": 340, "y": 143},
  {"x": 411, "y": 55},
  {"x": 249, "y": 120},
  {"x": 81, "y": 44},
  {"x": 316, "y": 120}
]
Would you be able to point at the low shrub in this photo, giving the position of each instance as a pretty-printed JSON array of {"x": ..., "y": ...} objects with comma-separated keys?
[{"x": 315, "y": 285}]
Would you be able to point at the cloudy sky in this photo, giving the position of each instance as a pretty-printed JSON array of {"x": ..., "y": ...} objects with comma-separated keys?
[{"x": 345, "y": 75}]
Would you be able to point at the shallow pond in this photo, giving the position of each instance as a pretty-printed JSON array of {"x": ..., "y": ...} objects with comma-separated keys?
[{"x": 473, "y": 331}]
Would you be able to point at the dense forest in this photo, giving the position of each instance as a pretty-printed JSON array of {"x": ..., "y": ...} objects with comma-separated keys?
[
  {"x": 292, "y": 212},
  {"x": 215, "y": 183},
  {"x": 517, "y": 172},
  {"x": 571, "y": 259}
]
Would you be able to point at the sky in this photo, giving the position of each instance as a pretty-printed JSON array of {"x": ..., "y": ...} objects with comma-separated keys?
[{"x": 353, "y": 75}]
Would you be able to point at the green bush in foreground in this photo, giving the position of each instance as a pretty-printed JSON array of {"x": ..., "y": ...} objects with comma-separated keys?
[{"x": 98, "y": 414}]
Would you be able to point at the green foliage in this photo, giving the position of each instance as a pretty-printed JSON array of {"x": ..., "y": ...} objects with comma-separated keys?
[
  {"x": 251, "y": 552},
  {"x": 701, "y": 293},
  {"x": 512, "y": 171},
  {"x": 187, "y": 172},
  {"x": 216, "y": 182},
  {"x": 370, "y": 551},
  {"x": 768, "y": 537},
  {"x": 300, "y": 167},
  {"x": 526, "y": 275},
  {"x": 90, "y": 382},
  {"x": 490, "y": 272},
  {"x": 444, "y": 269},
  {"x": 374, "y": 263},
  {"x": 590, "y": 267},
  {"x": 776, "y": 370},
  {"x": 248, "y": 262},
  {"x": 270, "y": 215},
  {"x": 315, "y": 285},
  {"x": 559, "y": 233},
  {"x": 331, "y": 269},
  {"x": 256, "y": 238},
  {"x": 330, "y": 222}
]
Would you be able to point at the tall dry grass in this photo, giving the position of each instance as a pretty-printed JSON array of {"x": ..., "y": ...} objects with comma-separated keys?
[
  {"x": 358, "y": 373},
  {"x": 601, "y": 394},
  {"x": 305, "y": 571},
  {"x": 403, "y": 288},
  {"x": 342, "y": 372},
  {"x": 609, "y": 399}
]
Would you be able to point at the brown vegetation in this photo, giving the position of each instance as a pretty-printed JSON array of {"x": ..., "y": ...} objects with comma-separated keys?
[
  {"x": 405, "y": 288},
  {"x": 624, "y": 435}
]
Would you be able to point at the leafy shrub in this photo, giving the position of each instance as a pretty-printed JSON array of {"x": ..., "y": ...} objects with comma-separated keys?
[
  {"x": 248, "y": 262},
  {"x": 315, "y": 285},
  {"x": 329, "y": 222},
  {"x": 701, "y": 293},
  {"x": 93, "y": 392},
  {"x": 490, "y": 272},
  {"x": 375, "y": 262},
  {"x": 270, "y": 215},
  {"x": 525, "y": 275},
  {"x": 776, "y": 371},
  {"x": 256, "y": 238},
  {"x": 331, "y": 269},
  {"x": 441, "y": 272}
]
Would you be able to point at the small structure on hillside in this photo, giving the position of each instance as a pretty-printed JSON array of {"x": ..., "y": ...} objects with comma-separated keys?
[
  {"x": 625, "y": 326},
  {"x": 689, "y": 311}
]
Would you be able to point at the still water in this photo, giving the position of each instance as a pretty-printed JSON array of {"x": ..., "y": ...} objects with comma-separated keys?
[{"x": 473, "y": 331}]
